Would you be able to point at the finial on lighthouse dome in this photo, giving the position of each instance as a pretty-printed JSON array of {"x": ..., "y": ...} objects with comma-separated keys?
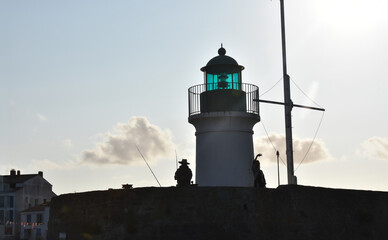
[{"x": 221, "y": 51}]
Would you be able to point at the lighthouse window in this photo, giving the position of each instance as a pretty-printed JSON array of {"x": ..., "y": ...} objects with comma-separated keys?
[
  {"x": 236, "y": 81},
  {"x": 209, "y": 82},
  {"x": 223, "y": 81}
]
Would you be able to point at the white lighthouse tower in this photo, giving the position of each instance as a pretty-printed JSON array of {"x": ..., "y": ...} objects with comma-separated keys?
[{"x": 223, "y": 113}]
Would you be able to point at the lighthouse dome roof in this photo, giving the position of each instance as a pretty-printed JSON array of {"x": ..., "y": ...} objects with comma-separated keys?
[{"x": 222, "y": 60}]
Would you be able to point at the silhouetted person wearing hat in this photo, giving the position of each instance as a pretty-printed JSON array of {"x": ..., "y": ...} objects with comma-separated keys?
[
  {"x": 183, "y": 174},
  {"x": 258, "y": 175}
]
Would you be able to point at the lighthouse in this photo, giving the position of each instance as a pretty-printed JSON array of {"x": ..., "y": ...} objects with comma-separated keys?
[{"x": 223, "y": 112}]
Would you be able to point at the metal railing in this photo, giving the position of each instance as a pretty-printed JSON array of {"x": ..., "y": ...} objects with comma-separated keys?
[{"x": 251, "y": 92}]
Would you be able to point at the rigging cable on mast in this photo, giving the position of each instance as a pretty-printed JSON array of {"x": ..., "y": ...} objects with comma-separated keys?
[
  {"x": 271, "y": 141},
  {"x": 272, "y": 87},
  {"x": 316, "y": 131},
  {"x": 263, "y": 123},
  {"x": 148, "y": 165},
  {"x": 312, "y": 142},
  {"x": 305, "y": 93}
]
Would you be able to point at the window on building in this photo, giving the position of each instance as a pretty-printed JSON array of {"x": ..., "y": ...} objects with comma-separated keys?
[
  {"x": 25, "y": 202},
  {"x": 1, "y": 217},
  {"x": 8, "y": 230},
  {"x": 1, "y": 201},
  {"x": 9, "y": 216},
  {"x": 28, "y": 218},
  {"x": 10, "y": 201},
  {"x": 39, "y": 218},
  {"x": 28, "y": 234},
  {"x": 38, "y": 233}
]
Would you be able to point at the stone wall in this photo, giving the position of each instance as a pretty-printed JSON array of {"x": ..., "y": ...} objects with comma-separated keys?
[{"x": 289, "y": 212}]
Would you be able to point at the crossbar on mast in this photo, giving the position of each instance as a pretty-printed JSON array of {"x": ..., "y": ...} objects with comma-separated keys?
[{"x": 292, "y": 104}]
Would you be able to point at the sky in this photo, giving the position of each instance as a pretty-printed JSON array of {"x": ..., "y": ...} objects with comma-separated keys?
[{"x": 86, "y": 83}]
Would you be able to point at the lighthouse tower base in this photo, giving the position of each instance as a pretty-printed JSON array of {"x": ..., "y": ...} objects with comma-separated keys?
[{"x": 224, "y": 151}]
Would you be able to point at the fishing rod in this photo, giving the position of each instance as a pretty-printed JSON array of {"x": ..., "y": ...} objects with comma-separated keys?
[
  {"x": 176, "y": 159},
  {"x": 148, "y": 165}
]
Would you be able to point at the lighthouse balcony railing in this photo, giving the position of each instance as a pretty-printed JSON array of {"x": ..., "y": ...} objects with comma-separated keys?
[{"x": 250, "y": 91}]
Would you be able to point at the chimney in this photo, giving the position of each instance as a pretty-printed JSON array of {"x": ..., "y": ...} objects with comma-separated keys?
[
  {"x": 18, "y": 173},
  {"x": 12, "y": 172},
  {"x": 40, "y": 173}
]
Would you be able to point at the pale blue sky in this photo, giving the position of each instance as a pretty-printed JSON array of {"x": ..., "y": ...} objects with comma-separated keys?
[{"x": 70, "y": 71}]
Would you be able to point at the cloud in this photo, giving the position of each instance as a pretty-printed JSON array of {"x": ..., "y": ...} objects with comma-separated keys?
[
  {"x": 119, "y": 146},
  {"x": 318, "y": 150},
  {"x": 67, "y": 143},
  {"x": 375, "y": 148},
  {"x": 42, "y": 118}
]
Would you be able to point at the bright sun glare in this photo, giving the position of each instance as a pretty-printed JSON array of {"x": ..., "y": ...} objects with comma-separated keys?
[{"x": 349, "y": 16}]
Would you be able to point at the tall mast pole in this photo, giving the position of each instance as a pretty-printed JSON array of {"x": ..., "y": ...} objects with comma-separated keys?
[{"x": 288, "y": 104}]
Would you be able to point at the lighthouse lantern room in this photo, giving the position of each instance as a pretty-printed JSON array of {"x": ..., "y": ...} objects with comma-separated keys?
[{"x": 223, "y": 112}]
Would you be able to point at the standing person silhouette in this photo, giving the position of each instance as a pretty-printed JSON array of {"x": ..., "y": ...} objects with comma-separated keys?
[
  {"x": 259, "y": 179},
  {"x": 183, "y": 174}
]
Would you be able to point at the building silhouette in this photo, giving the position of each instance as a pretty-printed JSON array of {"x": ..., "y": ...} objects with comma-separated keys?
[
  {"x": 19, "y": 192},
  {"x": 34, "y": 222}
]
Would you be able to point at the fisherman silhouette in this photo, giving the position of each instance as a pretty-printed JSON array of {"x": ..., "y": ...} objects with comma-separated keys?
[
  {"x": 183, "y": 174},
  {"x": 259, "y": 179}
]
